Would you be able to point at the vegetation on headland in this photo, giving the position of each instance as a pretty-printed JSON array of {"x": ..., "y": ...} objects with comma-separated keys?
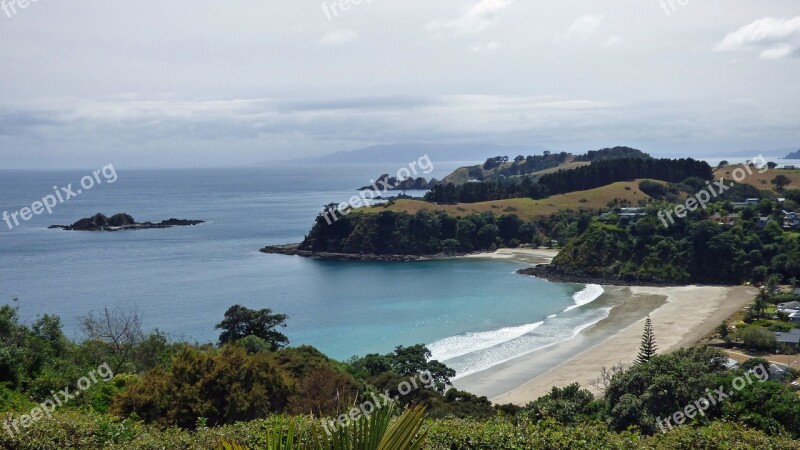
[
  {"x": 600, "y": 173},
  {"x": 722, "y": 243},
  {"x": 697, "y": 249},
  {"x": 175, "y": 395},
  {"x": 432, "y": 233}
]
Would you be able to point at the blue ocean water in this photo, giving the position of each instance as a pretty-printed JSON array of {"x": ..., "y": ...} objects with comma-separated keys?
[{"x": 475, "y": 313}]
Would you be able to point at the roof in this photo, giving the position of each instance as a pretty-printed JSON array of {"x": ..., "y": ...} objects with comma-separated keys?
[
  {"x": 790, "y": 305},
  {"x": 790, "y": 337}
]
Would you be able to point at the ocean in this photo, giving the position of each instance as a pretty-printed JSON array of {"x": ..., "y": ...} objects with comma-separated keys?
[{"x": 473, "y": 314}]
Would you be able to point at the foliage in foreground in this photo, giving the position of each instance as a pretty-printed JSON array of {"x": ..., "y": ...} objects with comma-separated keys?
[
  {"x": 72, "y": 430},
  {"x": 377, "y": 431}
]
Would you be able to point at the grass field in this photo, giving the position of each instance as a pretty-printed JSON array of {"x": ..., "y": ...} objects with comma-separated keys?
[
  {"x": 526, "y": 208},
  {"x": 762, "y": 180}
]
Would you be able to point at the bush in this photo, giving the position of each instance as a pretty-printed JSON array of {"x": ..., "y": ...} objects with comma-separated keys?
[
  {"x": 225, "y": 387},
  {"x": 11, "y": 400},
  {"x": 653, "y": 189},
  {"x": 569, "y": 406},
  {"x": 661, "y": 386},
  {"x": 757, "y": 338}
]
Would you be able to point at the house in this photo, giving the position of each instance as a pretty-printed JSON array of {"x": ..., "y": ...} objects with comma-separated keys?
[
  {"x": 752, "y": 201},
  {"x": 777, "y": 372},
  {"x": 762, "y": 222},
  {"x": 789, "y": 167},
  {"x": 789, "y": 337},
  {"x": 795, "y": 317},
  {"x": 729, "y": 220},
  {"x": 630, "y": 214},
  {"x": 790, "y": 220},
  {"x": 789, "y": 307}
]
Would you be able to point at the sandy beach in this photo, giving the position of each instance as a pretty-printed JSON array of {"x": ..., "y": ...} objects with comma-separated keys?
[
  {"x": 532, "y": 256},
  {"x": 681, "y": 316}
]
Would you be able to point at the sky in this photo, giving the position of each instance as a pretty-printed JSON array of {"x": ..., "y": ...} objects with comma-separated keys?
[{"x": 198, "y": 83}]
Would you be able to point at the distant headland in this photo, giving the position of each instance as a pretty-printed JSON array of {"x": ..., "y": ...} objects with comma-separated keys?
[{"x": 793, "y": 155}]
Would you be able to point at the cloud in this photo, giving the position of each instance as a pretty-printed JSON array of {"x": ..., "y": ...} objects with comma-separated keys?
[
  {"x": 475, "y": 19},
  {"x": 74, "y": 132},
  {"x": 339, "y": 37},
  {"x": 613, "y": 41},
  {"x": 484, "y": 47},
  {"x": 777, "y": 38},
  {"x": 584, "y": 27}
]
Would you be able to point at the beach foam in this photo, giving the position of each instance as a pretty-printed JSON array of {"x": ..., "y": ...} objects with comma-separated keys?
[
  {"x": 455, "y": 346},
  {"x": 589, "y": 294},
  {"x": 553, "y": 331}
]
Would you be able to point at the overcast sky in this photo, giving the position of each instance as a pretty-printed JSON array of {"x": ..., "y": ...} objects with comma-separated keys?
[{"x": 202, "y": 83}]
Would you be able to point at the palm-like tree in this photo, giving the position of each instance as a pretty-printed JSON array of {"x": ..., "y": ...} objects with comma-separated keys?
[
  {"x": 377, "y": 431},
  {"x": 760, "y": 305}
]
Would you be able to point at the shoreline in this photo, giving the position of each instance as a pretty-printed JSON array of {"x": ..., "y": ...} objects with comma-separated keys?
[
  {"x": 681, "y": 316},
  {"x": 523, "y": 255},
  {"x": 546, "y": 272}
]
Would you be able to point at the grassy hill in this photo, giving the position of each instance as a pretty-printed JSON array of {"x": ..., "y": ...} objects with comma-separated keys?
[
  {"x": 526, "y": 208},
  {"x": 762, "y": 181}
]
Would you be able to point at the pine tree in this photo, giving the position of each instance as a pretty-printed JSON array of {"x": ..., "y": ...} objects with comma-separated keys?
[{"x": 648, "y": 348}]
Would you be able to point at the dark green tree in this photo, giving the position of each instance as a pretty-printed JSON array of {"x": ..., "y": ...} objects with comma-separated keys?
[
  {"x": 781, "y": 181},
  {"x": 648, "y": 348},
  {"x": 241, "y": 322}
]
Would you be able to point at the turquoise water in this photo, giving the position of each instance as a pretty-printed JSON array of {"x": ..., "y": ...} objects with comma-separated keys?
[{"x": 475, "y": 313}]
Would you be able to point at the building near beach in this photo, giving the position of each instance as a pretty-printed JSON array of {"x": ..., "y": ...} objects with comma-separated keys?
[{"x": 789, "y": 337}]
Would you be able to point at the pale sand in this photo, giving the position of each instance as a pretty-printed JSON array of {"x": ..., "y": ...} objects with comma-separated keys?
[
  {"x": 531, "y": 256},
  {"x": 686, "y": 316}
]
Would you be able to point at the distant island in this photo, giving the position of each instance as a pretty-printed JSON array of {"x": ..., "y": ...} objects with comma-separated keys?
[
  {"x": 793, "y": 155},
  {"x": 121, "y": 222}
]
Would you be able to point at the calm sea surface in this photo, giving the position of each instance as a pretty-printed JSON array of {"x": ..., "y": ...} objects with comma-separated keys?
[{"x": 473, "y": 313}]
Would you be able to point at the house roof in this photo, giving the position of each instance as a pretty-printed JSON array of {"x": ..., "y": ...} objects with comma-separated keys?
[
  {"x": 790, "y": 337},
  {"x": 790, "y": 305}
]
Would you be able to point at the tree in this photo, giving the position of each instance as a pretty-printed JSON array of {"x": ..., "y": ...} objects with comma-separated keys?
[
  {"x": 722, "y": 164},
  {"x": 752, "y": 363},
  {"x": 664, "y": 385},
  {"x": 224, "y": 387},
  {"x": 757, "y": 338},
  {"x": 570, "y": 405},
  {"x": 241, "y": 322},
  {"x": 120, "y": 330},
  {"x": 781, "y": 181},
  {"x": 648, "y": 348},
  {"x": 760, "y": 305},
  {"x": 773, "y": 283},
  {"x": 602, "y": 382},
  {"x": 415, "y": 359}
]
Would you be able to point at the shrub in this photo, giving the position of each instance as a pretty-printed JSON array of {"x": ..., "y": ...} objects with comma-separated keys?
[
  {"x": 569, "y": 405},
  {"x": 757, "y": 338},
  {"x": 223, "y": 387},
  {"x": 653, "y": 189}
]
